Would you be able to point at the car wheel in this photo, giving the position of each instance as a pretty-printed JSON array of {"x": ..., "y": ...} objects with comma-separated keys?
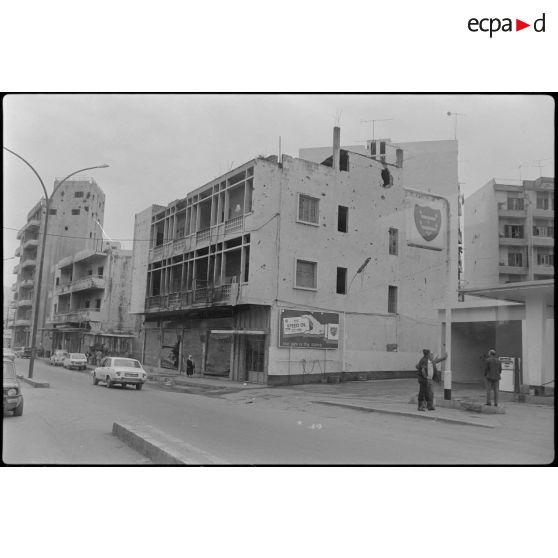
[
  {"x": 18, "y": 411},
  {"x": 95, "y": 380},
  {"x": 139, "y": 386},
  {"x": 109, "y": 382}
]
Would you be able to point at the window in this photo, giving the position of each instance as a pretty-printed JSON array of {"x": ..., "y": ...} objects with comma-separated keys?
[
  {"x": 542, "y": 201},
  {"x": 393, "y": 241},
  {"x": 89, "y": 272},
  {"x": 57, "y": 281},
  {"x": 392, "y": 299},
  {"x": 515, "y": 204},
  {"x": 87, "y": 303},
  {"x": 308, "y": 209},
  {"x": 75, "y": 211},
  {"x": 513, "y": 231},
  {"x": 306, "y": 274},
  {"x": 98, "y": 304},
  {"x": 100, "y": 271},
  {"x": 343, "y": 219},
  {"x": 515, "y": 259},
  {"x": 78, "y": 194},
  {"x": 545, "y": 258},
  {"x": 341, "y": 280},
  {"x": 543, "y": 231},
  {"x": 52, "y": 211}
]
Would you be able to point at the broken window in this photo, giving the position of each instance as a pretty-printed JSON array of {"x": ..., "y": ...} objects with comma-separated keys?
[
  {"x": 308, "y": 209},
  {"x": 343, "y": 219},
  {"x": 392, "y": 299},
  {"x": 341, "y": 280},
  {"x": 387, "y": 178},
  {"x": 78, "y": 194},
  {"x": 75, "y": 211},
  {"x": 306, "y": 274},
  {"x": 393, "y": 241},
  {"x": 52, "y": 211}
]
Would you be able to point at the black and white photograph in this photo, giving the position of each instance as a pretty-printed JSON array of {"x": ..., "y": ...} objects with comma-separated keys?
[{"x": 282, "y": 279}]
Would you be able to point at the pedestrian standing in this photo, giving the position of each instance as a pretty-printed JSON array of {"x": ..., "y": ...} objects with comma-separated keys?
[
  {"x": 492, "y": 374},
  {"x": 427, "y": 372},
  {"x": 98, "y": 357},
  {"x": 190, "y": 366}
]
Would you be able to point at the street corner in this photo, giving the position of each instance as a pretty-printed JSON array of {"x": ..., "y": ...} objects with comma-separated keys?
[{"x": 35, "y": 383}]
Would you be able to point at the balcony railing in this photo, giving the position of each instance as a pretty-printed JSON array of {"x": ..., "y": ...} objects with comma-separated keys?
[
  {"x": 512, "y": 241},
  {"x": 203, "y": 235},
  {"x": 233, "y": 225},
  {"x": 27, "y": 282},
  {"x": 20, "y": 322},
  {"x": 26, "y": 301},
  {"x": 31, "y": 262},
  {"x": 224, "y": 294},
  {"x": 16, "y": 269},
  {"x": 17, "y": 252},
  {"x": 77, "y": 316},
  {"x": 30, "y": 243}
]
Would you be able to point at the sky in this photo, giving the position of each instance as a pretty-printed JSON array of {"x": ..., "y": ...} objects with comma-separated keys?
[{"x": 160, "y": 147}]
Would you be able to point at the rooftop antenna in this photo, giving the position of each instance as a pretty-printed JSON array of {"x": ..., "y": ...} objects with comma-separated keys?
[
  {"x": 374, "y": 120},
  {"x": 455, "y": 115}
]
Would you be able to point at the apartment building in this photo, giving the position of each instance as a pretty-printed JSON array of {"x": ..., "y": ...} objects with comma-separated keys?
[
  {"x": 75, "y": 211},
  {"x": 287, "y": 271},
  {"x": 509, "y": 232},
  {"x": 91, "y": 302}
]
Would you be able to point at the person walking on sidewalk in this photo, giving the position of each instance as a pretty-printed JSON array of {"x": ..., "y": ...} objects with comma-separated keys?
[
  {"x": 492, "y": 373},
  {"x": 190, "y": 366},
  {"x": 426, "y": 373}
]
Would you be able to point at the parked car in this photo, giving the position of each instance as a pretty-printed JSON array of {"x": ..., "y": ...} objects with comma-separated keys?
[
  {"x": 75, "y": 360},
  {"x": 8, "y": 353},
  {"x": 119, "y": 370},
  {"x": 26, "y": 352},
  {"x": 57, "y": 359},
  {"x": 12, "y": 399}
]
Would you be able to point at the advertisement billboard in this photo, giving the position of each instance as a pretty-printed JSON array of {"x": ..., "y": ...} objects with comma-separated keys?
[
  {"x": 426, "y": 221},
  {"x": 309, "y": 330}
]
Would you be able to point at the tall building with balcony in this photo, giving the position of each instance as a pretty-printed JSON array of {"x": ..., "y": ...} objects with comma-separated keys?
[
  {"x": 287, "y": 271},
  {"x": 91, "y": 302},
  {"x": 75, "y": 211},
  {"x": 509, "y": 232}
]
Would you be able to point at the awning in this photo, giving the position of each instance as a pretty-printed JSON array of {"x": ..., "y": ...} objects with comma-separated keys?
[
  {"x": 101, "y": 334},
  {"x": 240, "y": 331},
  {"x": 518, "y": 291}
]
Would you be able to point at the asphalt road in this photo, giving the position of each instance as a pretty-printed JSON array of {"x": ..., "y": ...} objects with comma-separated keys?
[{"x": 71, "y": 423}]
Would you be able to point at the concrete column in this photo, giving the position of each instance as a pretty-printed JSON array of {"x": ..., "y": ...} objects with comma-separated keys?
[{"x": 534, "y": 335}]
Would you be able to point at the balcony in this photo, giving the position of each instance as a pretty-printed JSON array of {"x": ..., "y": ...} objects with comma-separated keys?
[
  {"x": 512, "y": 269},
  {"x": 17, "y": 252},
  {"x": 30, "y": 243},
  {"x": 234, "y": 225},
  {"x": 15, "y": 287},
  {"x": 25, "y": 302},
  {"x": 13, "y": 303},
  {"x": 510, "y": 241},
  {"x": 86, "y": 283},
  {"x": 22, "y": 322},
  {"x": 515, "y": 213},
  {"x": 31, "y": 224},
  {"x": 27, "y": 283},
  {"x": 226, "y": 295},
  {"x": 543, "y": 241},
  {"x": 16, "y": 269},
  {"x": 543, "y": 213},
  {"x": 203, "y": 235},
  {"x": 31, "y": 262},
  {"x": 77, "y": 316},
  {"x": 160, "y": 252},
  {"x": 544, "y": 270}
]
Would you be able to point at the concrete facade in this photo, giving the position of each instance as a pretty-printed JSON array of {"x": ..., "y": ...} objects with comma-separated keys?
[
  {"x": 509, "y": 232},
  {"x": 91, "y": 301},
  {"x": 72, "y": 226},
  {"x": 272, "y": 236}
]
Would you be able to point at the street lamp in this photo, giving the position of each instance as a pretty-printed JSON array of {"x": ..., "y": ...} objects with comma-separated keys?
[
  {"x": 359, "y": 270},
  {"x": 37, "y": 301}
]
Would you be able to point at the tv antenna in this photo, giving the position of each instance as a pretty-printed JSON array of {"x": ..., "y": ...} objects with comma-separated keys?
[
  {"x": 373, "y": 121},
  {"x": 455, "y": 115}
]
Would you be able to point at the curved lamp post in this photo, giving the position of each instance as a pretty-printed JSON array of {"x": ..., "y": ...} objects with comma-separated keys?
[{"x": 37, "y": 301}]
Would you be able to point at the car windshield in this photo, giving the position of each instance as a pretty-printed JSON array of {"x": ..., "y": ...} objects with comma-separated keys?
[
  {"x": 77, "y": 355},
  {"x": 9, "y": 370},
  {"x": 130, "y": 363}
]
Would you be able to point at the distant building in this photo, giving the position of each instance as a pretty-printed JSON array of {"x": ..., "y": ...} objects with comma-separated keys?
[
  {"x": 91, "y": 302},
  {"x": 509, "y": 232},
  {"x": 256, "y": 274},
  {"x": 75, "y": 211}
]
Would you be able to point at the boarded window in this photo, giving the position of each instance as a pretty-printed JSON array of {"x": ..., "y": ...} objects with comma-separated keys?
[
  {"x": 306, "y": 274},
  {"x": 75, "y": 211},
  {"x": 393, "y": 241},
  {"x": 308, "y": 209},
  {"x": 341, "y": 280},
  {"x": 392, "y": 299},
  {"x": 343, "y": 219}
]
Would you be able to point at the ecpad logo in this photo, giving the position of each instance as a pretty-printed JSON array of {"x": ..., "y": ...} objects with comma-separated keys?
[{"x": 493, "y": 25}]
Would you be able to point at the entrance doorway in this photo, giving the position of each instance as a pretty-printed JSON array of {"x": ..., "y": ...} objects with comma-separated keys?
[{"x": 219, "y": 355}]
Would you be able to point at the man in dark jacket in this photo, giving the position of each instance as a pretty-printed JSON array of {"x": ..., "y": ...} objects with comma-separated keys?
[
  {"x": 426, "y": 373},
  {"x": 492, "y": 373},
  {"x": 190, "y": 366}
]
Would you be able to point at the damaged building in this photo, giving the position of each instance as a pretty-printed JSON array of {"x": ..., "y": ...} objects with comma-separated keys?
[{"x": 287, "y": 270}]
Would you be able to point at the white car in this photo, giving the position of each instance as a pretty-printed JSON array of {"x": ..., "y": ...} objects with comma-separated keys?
[
  {"x": 59, "y": 357},
  {"x": 119, "y": 370},
  {"x": 76, "y": 360}
]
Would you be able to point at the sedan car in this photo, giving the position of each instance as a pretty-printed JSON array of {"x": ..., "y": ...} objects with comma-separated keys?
[
  {"x": 118, "y": 370},
  {"x": 8, "y": 353},
  {"x": 58, "y": 358},
  {"x": 12, "y": 399},
  {"x": 75, "y": 360}
]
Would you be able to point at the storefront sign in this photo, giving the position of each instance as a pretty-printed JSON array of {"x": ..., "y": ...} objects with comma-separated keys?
[
  {"x": 311, "y": 330},
  {"x": 426, "y": 221}
]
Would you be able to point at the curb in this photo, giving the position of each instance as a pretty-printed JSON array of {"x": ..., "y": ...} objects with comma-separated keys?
[
  {"x": 405, "y": 414},
  {"x": 34, "y": 383},
  {"x": 464, "y": 405}
]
